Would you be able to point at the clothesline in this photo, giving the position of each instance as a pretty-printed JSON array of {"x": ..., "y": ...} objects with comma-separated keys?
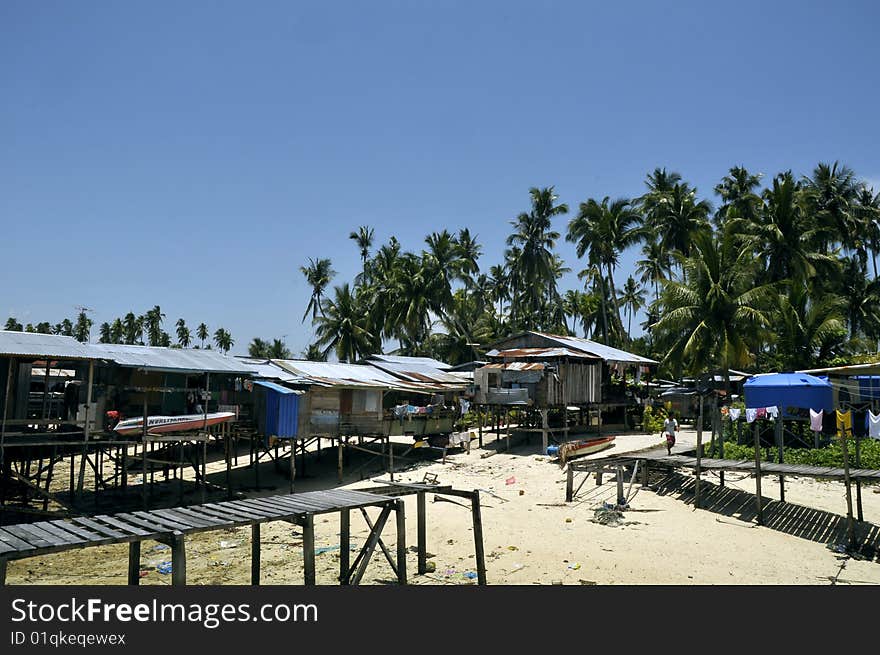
[{"x": 844, "y": 419}]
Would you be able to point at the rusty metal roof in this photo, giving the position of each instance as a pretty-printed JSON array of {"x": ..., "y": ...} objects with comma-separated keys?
[
  {"x": 516, "y": 366},
  {"x": 358, "y": 376},
  {"x": 415, "y": 372},
  {"x": 539, "y": 353}
]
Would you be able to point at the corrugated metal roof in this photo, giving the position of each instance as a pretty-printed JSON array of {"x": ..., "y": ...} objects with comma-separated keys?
[
  {"x": 54, "y": 346},
  {"x": 264, "y": 368},
  {"x": 177, "y": 360},
  {"x": 421, "y": 361},
  {"x": 277, "y": 387},
  {"x": 517, "y": 366},
  {"x": 536, "y": 353},
  {"x": 607, "y": 353},
  {"x": 416, "y": 372},
  {"x": 356, "y": 376}
]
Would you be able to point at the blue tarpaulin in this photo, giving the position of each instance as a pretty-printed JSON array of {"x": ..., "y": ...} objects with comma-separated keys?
[
  {"x": 277, "y": 409},
  {"x": 789, "y": 390}
]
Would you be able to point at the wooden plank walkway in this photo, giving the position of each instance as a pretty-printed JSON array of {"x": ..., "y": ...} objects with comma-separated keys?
[{"x": 172, "y": 525}]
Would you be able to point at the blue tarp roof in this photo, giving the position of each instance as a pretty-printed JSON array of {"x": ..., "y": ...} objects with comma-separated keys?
[
  {"x": 784, "y": 390},
  {"x": 276, "y": 387}
]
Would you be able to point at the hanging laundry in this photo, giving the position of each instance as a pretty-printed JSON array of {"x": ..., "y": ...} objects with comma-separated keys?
[
  {"x": 773, "y": 411},
  {"x": 844, "y": 422},
  {"x": 761, "y": 412},
  {"x": 873, "y": 421},
  {"x": 734, "y": 413},
  {"x": 816, "y": 420},
  {"x": 465, "y": 405},
  {"x": 751, "y": 414}
]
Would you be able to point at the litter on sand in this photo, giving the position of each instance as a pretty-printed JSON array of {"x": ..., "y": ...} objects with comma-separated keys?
[
  {"x": 164, "y": 568},
  {"x": 470, "y": 575},
  {"x": 510, "y": 480},
  {"x": 574, "y": 566},
  {"x": 229, "y": 544},
  {"x": 160, "y": 547}
]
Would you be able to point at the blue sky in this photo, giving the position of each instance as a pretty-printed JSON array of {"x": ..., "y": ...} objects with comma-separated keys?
[{"x": 194, "y": 155}]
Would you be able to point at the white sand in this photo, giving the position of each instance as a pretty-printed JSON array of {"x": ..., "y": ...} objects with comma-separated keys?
[{"x": 532, "y": 538}]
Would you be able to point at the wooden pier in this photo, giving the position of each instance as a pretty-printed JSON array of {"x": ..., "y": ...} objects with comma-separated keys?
[{"x": 171, "y": 527}]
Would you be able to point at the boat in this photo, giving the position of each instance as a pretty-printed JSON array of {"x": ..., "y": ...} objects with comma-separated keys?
[
  {"x": 572, "y": 449},
  {"x": 160, "y": 424}
]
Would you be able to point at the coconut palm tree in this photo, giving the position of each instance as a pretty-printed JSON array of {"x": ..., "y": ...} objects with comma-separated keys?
[
  {"x": 82, "y": 328},
  {"x": 153, "y": 324},
  {"x": 104, "y": 331},
  {"x": 633, "y": 299},
  {"x": 682, "y": 218},
  {"x": 117, "y": 331},
  {"x": 655, "y": 265},
  {"x": 468, "y": 251},
  {"x": 133, "y": 327},
  {"x": 364, "y": 240},
  {"x": 738, "y": 198},
  {"x": 184, "y": 338},
  {"x": 343, "y": 327},
  {"x": 808, "y": 332},
  {"x": 223, "y": 340},
  {"x": 602, "y": 230},
  {"x": 12, "y": 325},
  {"x": 202, "y": 333},
  {"x": 531, "y": 255},
  {"x": 867, "y": 217},
  {"x": 313, "y": 353},
  {"x": 831, "y": 193},
  {"x": 258, "y": 348},
  {"x": 714, "y": 316},
  {"x": 44, "y": 327},
  {"x": 318, "y": 274}
]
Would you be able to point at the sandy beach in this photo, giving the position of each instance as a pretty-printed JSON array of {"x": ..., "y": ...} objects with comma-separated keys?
[{"x": 531, "y": 535}]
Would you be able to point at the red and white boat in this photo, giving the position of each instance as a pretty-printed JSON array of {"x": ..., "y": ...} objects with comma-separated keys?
[
  {"x": 159, "y": 424},
  {"x": 572, "y": 449}
]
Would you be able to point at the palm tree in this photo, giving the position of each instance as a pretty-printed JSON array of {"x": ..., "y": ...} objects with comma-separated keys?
[
  {"x": 343, "y": 327},
  {"x": 713, "y": 317},
  {"x": 183, "y": 334},
  {"x": 223, "y": 340},
  {"x": 364, "y": 240},
  {"x": 133, "y": 327},
  {"x": 654, "y": 267},
  {"x": 831, "y": 194},
  {"x": 44, "y": 327},
  {"x": 468, "y": 251},
  {"x": 105, "y": 333},
  {"x": 867, "y": 217},
  {"x": 153, "y": 324},
  {"x": 633, "y": 298},
  {"x": 202, "y": 333},
  {"x": 603, "y": 230},
  {"x": 278, "y": 350},
  {"x": 82, "y": 328},
  {"x": 808, "y": 332},
  {"x": 683, "y": 218},
  {"x": 531, "y": 255},
  {"x": 653, "y": 203},
  {"x": 117, "y": 331},
  {"x": 318, "y": 274},
  {"x": 64, "y": 328},
  {"x": 258, "y": 348},
  {"x": 738, "y": 198},
  {"x": 313, "y": 353},
  {"x": 783, "y": 236},
  {"x": 12, "y": 325}
]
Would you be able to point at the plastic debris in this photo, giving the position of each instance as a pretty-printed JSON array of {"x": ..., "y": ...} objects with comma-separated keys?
[
  {"x": 510, "y": 480},
  {"x": 470, "y": 575},
  {"x": 574, "y": 566},
  {"x": 430, "y": 567},
  {"x": 229, "y": 544},
  {"x": 164, "y": 568},
  {"x": 325, "y": 549},
  {"x": 513, "y": 548},
  {"x": 160, "y": 547},
  {"x": 517, "y": 566}
]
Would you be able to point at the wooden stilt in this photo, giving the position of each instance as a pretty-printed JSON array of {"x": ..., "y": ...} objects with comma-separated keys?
[
  {"x": 344, "y": 545},
  {"x": 178, "y": 559},
  {"x": 308, "y": 526},
  {"x": 479, "y": 553},
  {"x": 292, "y": 463},
  {"x": 759, "y": 508},
  {"x": 2, "y": 572},
  {"x": 339, "y": 459},
  {"x": 569, "y": 484},
  {"x": 858, "y": 482},
  {"x": 699, "y": 456},
  {"x": 255, "y": 554},
  {"x": 422, "y": 532},
  {"x": 850, "y": 525},
  {"x": 134, "y": 563},
  {"x": 400, "y": 511},
  {"x": 779, "y": 428}
]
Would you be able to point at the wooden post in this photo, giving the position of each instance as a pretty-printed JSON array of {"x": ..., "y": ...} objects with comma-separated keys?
[
  {"x": 292, "y": 463},
  {"x": 3, "y": 429},
  {"x": 480, "y": 423},
  {"x": 760, "y": 509},
  {"x": 2, "y": 571},
  {"x": 390, "y": 457},
  {"x": 618, "y": 474},
  {"x": 308, "y": 526},
  {"x": 720, "y": 445},
  {"x": 227, "y": 445},
  {"x": 699, "y": 456},
  {"x": 850, "y": 525},
  {"x": 178, "y": 559},
  {"x": 422, "y": 532},
  {"x": 545, "y": 427},
  {"x": 144, "y": 455},
  {"x": 134, "y": 563},
  {"x": 781, "y": 454},
  {"x": 255, "y": 554},
  {"x": 344, "y": 545},
  {"x": 507, "y": 421},
  {"x": 339, "y": 459},
  {"x": 645, "y": 472},
  {"x": 569, "y": 484},
  {"x": 400, "y": 511},
  {"x": 858, "y": 481},
  {"x": 478, "y": 538}
]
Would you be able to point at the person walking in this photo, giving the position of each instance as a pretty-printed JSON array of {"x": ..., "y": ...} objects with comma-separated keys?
[{"x": 670, "y": 427}]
